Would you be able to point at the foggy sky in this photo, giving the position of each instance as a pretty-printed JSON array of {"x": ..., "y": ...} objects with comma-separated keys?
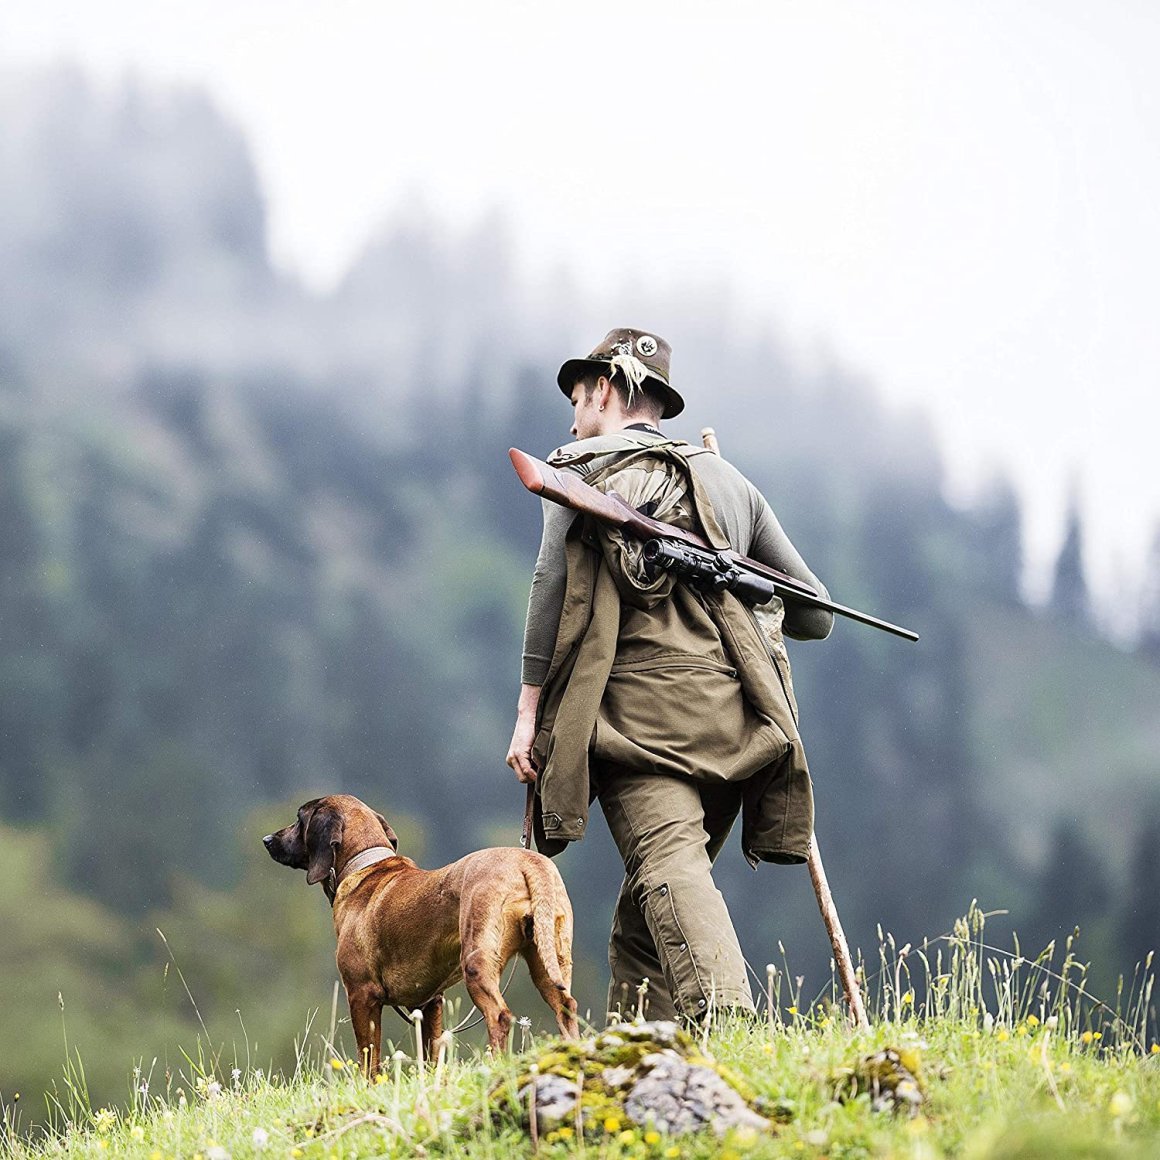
[{"x": 959, "y": 200}]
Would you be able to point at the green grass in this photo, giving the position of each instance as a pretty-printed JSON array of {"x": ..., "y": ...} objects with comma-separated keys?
[{"x": 1014, "y": 1058}]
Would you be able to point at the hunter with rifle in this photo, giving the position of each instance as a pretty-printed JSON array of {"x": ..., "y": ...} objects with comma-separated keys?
[{"x": 655, "y": 677}]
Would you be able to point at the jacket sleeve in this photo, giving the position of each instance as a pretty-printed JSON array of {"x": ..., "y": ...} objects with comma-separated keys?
[
  {"x": 770, "y": 545},
  {"x": 546, "y": 599}
]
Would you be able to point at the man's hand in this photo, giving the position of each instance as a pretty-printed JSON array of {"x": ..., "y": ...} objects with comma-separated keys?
[{"x": 519, "y": 755}]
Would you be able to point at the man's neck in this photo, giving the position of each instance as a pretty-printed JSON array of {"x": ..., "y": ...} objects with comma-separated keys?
[{"x": 630, "y": 423}]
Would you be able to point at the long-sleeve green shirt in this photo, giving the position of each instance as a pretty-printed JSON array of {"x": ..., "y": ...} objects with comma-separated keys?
[{"x": 743, "y": 513}]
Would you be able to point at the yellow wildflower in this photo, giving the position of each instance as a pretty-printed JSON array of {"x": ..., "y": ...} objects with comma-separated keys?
[
  {"x": 337, "y": 1064},
  {"x": 651, "y": 1137},
  {"x": 611, "y": 1125},
  {"x": 1021, "y": 1029},
  {"x": 792, "y": 1010},
  {"x": 672, "y": 1153},
  {"x": 565, "y": 1132},
  {"x": 104, "y": 1119},
  {"x": 1156, "y": 1048},
  {"x": 908, "y": 999},
  {"x": 1032, "y": 1020},
  {"x": 137, "y": 1132},
  {"x": 1121, "y": 1104},
  {"x": 381, "y": 1079},
  {"x": 628, "y": 1136},
  {"x": 1002, "y": 1035}
]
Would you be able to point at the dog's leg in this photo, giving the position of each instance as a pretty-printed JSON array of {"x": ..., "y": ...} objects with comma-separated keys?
[
  {"x": 556, "y": 996},
  {"x": 482, "y": 968},
  {"x": 366, "y": 1017},
  {"x": 432, "y": 1026}
]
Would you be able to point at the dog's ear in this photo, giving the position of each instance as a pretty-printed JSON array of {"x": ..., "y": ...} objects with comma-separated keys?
[
  {"x": 323, "y": 838},
  {"x": 391, "y": 836}
]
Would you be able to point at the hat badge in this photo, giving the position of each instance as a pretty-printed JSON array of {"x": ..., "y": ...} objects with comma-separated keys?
[{"x": 647, "y": 345}]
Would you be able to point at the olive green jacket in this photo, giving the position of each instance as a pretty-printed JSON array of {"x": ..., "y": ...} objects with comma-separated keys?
[{"x": 652, "y": 675}]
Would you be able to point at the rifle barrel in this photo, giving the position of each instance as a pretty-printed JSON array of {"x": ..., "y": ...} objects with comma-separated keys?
[{"x": 569, "y": 490}]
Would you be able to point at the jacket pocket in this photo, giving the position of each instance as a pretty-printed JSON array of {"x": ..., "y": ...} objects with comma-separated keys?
[{"x": 683, "y": 714}]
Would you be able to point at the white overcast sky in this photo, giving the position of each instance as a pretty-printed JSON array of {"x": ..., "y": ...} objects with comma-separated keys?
[{"x": 962, "y": 199}]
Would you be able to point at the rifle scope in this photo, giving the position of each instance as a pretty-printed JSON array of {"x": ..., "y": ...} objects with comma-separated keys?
[{"x": 706, "y": 570}]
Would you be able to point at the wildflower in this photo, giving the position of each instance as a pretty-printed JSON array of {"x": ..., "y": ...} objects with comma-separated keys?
[
  {"x": 1021, "y": 1029},
  {"x": 1032, "y": 1020},
  {"x": 1065, "y": 1067},
  {"x": 767, "y": 1048},
  {"x": 524, "y": 1021},
  {"x": 1003, "y": 1035},
  {"x": 143, "y": 1090},
  {"x": 652, "y": 1137},
  {"x": 792, "y": 1010},
  {"x": 908, "y": 999},
  {"x": 337, "y": 1064},
  {"x": 295, "y": 1152},
  {"x": 104, "y": 1119},
  {"x": 137, "y": 1132},
  {"x": 1156, "y": 1048},
  {"x": 1120, "y": 1105},
  {"x": 672, "y": 1153},
  {"x": 628, "y": 1136},
  {"x": 381, "y": 1079},
  {"x": 260, "y": 1138},
  {"x": 213, "y": 1089},
  {"x": 236, "y": 1074},
  {"x": 565, "y": 1132},
  {"x": 1089, "y": 1037},
  {"x": 611, "y": 1125}
]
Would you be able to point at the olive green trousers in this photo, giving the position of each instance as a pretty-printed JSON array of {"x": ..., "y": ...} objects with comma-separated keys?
[{"x": 671, "y": 925}]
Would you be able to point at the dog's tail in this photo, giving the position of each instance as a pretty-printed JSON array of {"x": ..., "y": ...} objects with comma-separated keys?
[{"x": 550, "y": 909}]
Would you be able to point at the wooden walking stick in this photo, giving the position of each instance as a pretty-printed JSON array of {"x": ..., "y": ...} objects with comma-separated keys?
[{"x": 821, "y": 885}]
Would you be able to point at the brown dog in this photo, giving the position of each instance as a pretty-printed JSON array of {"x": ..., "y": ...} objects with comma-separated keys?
[{"x": 405, "y": 935}]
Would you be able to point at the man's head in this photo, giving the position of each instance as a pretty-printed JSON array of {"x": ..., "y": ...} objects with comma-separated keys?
[
  {"x": 603, "y": 403},
  {"x": 624, "y": 380}
]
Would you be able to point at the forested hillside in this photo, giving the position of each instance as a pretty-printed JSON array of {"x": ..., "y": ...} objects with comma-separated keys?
[{"x": 257, "y": 544}]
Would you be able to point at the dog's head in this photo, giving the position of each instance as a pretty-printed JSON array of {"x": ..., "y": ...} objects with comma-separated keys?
[{"x": 328, "y": 832}]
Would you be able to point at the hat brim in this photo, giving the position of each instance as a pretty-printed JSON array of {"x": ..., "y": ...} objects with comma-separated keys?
[{"x": 576, "y": 368}]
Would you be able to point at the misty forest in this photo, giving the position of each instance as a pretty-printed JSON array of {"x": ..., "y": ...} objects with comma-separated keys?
[{"x": 260, "y": 543}]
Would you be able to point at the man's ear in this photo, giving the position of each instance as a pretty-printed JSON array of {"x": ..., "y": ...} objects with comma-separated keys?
[
  {"x": 323, "y": 838},
  {"x": 389, "y": 832}
]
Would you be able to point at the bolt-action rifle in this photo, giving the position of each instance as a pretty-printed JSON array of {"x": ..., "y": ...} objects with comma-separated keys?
[{"x": 675, "y": 550}]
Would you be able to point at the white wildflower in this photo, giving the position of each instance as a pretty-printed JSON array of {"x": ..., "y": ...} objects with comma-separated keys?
[{"x": 261, "y": 1138}]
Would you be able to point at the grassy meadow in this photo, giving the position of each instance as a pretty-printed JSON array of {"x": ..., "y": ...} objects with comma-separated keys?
[{"x": 1012, "y": 1059}]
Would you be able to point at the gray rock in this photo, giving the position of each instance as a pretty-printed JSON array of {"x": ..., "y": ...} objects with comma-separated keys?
[
  {"x": 555, "y": 1100},
  {"x": 676, "y": 1097}
]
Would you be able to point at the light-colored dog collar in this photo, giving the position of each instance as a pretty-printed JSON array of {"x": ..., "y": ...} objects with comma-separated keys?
[{"x": 365, "y": 859}]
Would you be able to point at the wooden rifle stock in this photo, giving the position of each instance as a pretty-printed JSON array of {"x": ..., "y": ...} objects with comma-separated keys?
[{"x": 568, "y": 489}]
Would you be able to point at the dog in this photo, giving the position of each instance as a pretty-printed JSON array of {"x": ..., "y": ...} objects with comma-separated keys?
[{"x": 405, "y": 935}]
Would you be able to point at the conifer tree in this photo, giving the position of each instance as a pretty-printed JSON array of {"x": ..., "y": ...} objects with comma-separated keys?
[{"x": 1069, "y": 592}]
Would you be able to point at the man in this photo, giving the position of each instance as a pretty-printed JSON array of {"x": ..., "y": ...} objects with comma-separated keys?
[{"x": 671, "y": 706}]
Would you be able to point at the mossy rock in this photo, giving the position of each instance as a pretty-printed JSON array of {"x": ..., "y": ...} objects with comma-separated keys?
[
  {"x": 890, "y": 1077},
  {"x": 650, "y": 1074}
]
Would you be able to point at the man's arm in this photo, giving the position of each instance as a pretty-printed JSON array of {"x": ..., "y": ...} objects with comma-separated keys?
[
  {"x": 519, "y": 755},
  {"x": 545, "y": 604},
  {"x": 771, "y": 546}
]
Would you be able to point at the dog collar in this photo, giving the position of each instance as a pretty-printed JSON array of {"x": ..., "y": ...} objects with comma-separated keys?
[{"x": 365, "y": 859}]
